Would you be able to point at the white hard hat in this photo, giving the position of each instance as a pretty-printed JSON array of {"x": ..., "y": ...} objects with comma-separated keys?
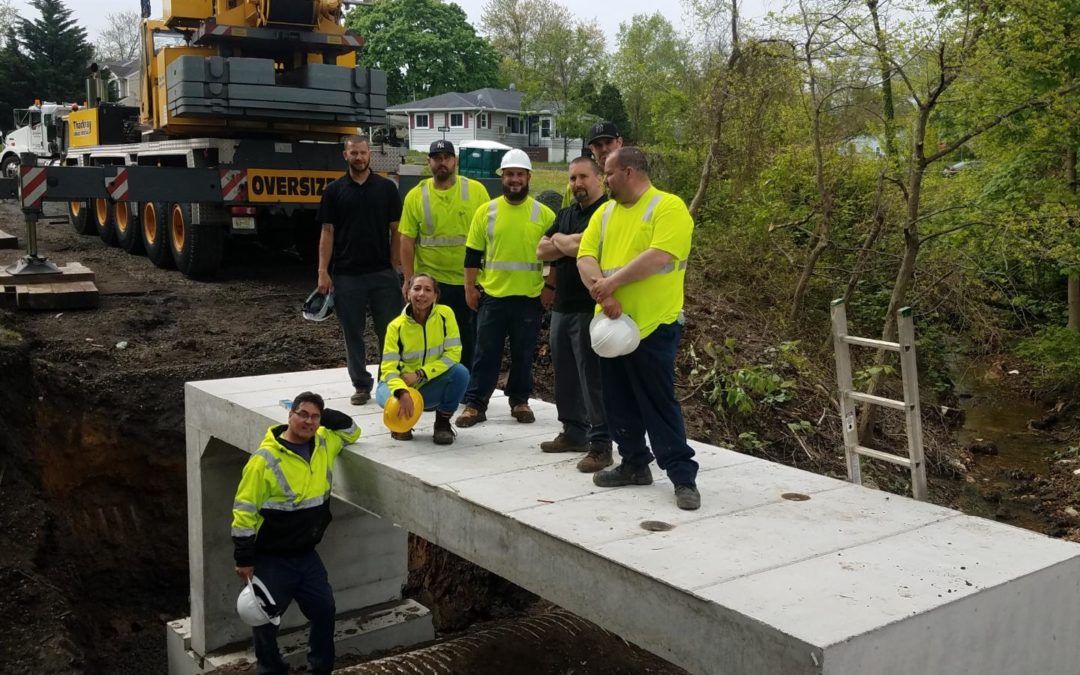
[
  {"x": 255, "y": 605},
  {"x": 515, "y": 159},
  {"x": 613, "y": 337},
  {"x": 318, "y": 307}
]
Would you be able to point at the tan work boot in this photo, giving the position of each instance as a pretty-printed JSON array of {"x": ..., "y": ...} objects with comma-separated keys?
[
  {"x": 562, "y": 444},
  {"x": 599, "y": 457},
  {"x": 522, "y": 413},
  {"x": 470, "y": 416},
  {"x": 401, "y": 435},
  {"x": 360, "y": 397}
]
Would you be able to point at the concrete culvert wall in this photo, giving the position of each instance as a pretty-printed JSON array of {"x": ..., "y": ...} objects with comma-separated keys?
[{"x": 554, "y": 641}]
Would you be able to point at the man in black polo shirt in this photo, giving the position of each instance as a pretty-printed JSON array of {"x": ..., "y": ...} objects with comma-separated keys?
[
  {"x": 360, "y": 213},
  {"x": 576, "y": 365}
]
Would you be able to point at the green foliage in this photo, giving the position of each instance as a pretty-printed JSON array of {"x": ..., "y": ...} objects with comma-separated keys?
[
  {"x": 1054, "y": 352},
  {"x": 426, "y": 47},
  {"x": 748, "y": 440},
  {"x": 607, "y": 104},
  {"x": 44, "y": 58},
  {"x": 738, "y": 390},
  {"x": 863, "y": 376}
]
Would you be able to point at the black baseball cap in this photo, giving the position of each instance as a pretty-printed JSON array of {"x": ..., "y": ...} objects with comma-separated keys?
[
  {"x": 439, "y": 147},
  {"x": 602, "y": 129}
]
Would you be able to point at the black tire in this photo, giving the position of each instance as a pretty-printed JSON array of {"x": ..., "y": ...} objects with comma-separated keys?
[
  {"x": 128, "y": 232},
  {"x": 103, "y": 214},
  {"x": 306, "y": 233},
  {"x": 79, "y": 217},
  {"x": 550, "y": 199},
  {"x": 154, "y": 233},
  {"x": 196, "y": 248},
  {"x": 10, "y": 167}
]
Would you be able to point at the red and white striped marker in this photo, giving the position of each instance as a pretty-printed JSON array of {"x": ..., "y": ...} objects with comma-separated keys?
[
  {"x": 117, "y": 186},
  {"x": 31, "y": 186},
  {"x": 233, "y": 185}
]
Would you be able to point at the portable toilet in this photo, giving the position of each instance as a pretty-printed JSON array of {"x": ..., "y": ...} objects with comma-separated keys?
[{"x": 480, "y": 159}]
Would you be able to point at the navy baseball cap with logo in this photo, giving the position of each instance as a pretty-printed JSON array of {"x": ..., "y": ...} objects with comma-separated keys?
[
  {"x": 601, "y": 130},
  {"x": 439, "y": 147}
]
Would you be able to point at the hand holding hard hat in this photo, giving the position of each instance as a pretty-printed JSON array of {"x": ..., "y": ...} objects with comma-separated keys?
[
  {"x": 614, "y": 337},
  {"x": 255, "y": 605},
  {"x": 401, "y": 415}
]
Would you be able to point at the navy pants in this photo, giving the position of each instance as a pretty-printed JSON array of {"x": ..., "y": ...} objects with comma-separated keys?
[
  {"x": 639, "y": 397},
  {"x": 516, "y": 317},
  {"x": 577, "y": 379},
  {"x": 302, "y": 578},
  {"x": 354, "y": 296},
  {"x": 454, "y": 297}
]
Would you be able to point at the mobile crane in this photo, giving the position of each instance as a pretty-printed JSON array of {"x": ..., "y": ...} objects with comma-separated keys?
[{"x": 243, "y": 106}]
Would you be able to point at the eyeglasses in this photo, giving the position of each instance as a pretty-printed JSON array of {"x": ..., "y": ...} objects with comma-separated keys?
[{"x": 306, "y": 416}]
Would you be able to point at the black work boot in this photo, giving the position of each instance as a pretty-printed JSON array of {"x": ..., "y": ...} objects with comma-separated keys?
[
  {"x": 687, "y": 497},
  {"x": 443, "y": 433},
  {"x": 623, "y": 474}
]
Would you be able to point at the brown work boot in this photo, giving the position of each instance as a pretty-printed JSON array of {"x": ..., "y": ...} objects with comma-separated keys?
[
  {"x": 443, "y": 433},
  {"x": 523, "y": 413},
  {"x": 599, "y": 457},
  {"x": 470, "y": 416},
  {"x": 360, "y": 397},
  {"x": 562, "y": 444},
  {"x": 401, "y": 435}
]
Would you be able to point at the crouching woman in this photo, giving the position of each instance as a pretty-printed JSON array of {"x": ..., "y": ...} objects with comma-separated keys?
[{"x": 423, "y": 350}]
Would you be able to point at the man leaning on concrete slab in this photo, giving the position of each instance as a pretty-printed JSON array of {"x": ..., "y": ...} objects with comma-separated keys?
[{"x": 280, "y": 513}]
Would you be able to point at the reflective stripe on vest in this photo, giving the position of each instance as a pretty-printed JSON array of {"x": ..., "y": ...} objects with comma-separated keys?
[
  {"x": 493, "y": 212},
  {"x": 429, "y": 219},
  {"x": 646, "y": 217},
  {"x": 274, "y": 464}
]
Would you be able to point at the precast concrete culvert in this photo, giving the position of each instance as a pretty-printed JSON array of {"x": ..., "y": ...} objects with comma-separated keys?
[{"x": 550, "y": 642}]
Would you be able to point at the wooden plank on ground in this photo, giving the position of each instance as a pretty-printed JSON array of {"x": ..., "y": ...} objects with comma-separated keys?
[
  {"x": 57, "y": 295},
  {"x": 72, "y": 271}
]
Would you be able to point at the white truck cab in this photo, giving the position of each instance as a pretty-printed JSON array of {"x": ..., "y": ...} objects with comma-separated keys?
[{"x": 36, "y": 131}]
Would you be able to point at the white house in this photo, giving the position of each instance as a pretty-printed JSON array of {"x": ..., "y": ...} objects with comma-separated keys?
[
  {"x": 486, "y": 115},
  {"x": 124, "y": 80}
]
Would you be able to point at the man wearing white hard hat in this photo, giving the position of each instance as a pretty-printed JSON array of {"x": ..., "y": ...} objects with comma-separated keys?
[
  {"x": 500, "y": 258},
  {"x": 280, "y": 513},
  {"x": 632, "y": 258}
]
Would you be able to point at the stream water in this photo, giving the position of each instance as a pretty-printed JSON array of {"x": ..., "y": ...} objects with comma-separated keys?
[{"x": 998, "y": 415}]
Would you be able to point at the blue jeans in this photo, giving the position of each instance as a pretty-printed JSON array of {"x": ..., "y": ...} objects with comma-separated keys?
[
  {"x": 444, "y": 393},
  {"x": 639, "y": 396},
  {"x": 354, "y": 295},
  {"x": 302, "y": 577},
  {"x": 516, "y": 317}
]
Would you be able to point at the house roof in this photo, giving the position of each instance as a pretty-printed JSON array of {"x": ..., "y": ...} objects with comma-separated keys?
[
  {"x": 490, "y": 98},
  {"x": 122, "y": 69}
]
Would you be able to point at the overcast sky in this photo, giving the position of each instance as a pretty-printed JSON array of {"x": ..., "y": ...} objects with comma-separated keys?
[{"x": 609, "y": 13}]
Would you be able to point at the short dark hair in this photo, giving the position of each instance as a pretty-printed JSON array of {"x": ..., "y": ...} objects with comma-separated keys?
[
  {"x": 356, "y": 138},
  {"x": 434, "y": 282},
  {"x": 308, "y": 397},
  {"x": 592, "y": 164},
  {"x": 631, "y": 158}
]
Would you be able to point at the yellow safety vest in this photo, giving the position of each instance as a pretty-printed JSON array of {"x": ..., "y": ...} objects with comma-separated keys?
[
  {"x": 440, "y": 223},
  {"x": 508, "y": 235}
]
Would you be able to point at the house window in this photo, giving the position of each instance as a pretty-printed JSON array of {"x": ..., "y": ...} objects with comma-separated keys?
[
  {"x": 423, "y": 121},
  {"x": 545, "y": 128},
  {"x": 457, "y": 120},
  {"x": 482, "y": 121},
  {"x": 513, "y": 124}
]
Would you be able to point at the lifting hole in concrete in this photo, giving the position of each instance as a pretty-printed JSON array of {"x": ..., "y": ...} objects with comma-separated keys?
[
  {"x": 656, "y": 526},
  {"x": 795, "y": 496}
]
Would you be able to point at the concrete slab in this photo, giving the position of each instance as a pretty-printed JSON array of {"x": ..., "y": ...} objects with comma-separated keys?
[{"x": 780, "y": 571}]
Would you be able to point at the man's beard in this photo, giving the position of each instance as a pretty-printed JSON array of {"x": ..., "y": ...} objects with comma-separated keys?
[
  {"x": 581, "y": 196},
  {"x": 443, "y": 173},
  {"x": 358, "y": 166},
  {"x": 518, "y": 195}
]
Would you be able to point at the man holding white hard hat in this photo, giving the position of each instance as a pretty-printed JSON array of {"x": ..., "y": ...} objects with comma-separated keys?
[{"x": 632, "y": 258}]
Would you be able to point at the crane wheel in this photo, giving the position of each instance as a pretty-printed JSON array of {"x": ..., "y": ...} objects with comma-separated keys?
[
  {"x": 79, "y": 217},
  {"x": 154, "y": 231},
  {"x": 197, "y": 248},
  {"x": 126, "y": 218},
  {"x": 104, "y": 217}
]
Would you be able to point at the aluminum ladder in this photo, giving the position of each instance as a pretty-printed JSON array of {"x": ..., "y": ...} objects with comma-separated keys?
[{"x": 849, "y": 398}]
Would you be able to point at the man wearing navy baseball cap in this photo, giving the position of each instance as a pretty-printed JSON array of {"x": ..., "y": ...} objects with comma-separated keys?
[{"x": 603, "y": 139}]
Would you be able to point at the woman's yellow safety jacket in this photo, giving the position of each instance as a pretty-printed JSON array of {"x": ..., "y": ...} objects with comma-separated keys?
[{"x": 434, "y": 346}]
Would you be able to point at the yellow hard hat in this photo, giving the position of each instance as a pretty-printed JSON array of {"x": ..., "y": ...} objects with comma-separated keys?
[{"x": 390, "y": 412}]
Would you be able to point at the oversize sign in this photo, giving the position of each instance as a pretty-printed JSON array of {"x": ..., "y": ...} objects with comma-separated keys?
[{"x": 276, "y": 186}]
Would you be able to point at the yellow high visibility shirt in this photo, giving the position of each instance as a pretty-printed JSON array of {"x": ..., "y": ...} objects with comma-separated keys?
[
  {"x": 508, "y": 234},
  {"x": 617, "y": 234},
  {"x": 439, "y": 222}
]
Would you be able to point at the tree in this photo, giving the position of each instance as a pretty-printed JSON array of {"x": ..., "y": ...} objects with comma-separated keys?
[
  {"x": 607, "y": 104},
  {"x": 119, "y": 40},
  {"x": 425, "y": 47},
  {"x": 650, "y": 67},
  {"x": 14, "y": 69},
  {"x": 57, "y": 50}
]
